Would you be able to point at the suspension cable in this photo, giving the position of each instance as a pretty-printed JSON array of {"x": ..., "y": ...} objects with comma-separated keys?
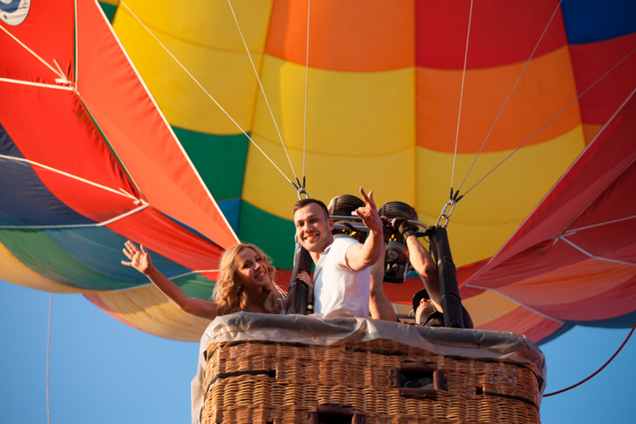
[
  {"x": 282, "y": 292},
  {"x": 206, "y": 92},
  {"x": 120, "y": 192},
  {"x": 597, "y": 371},
  {"x": 306, "y": 92},
  {"x": 260, "y": 84},
  {"x": 556, "y": 116},
  {"x": 461, "y": 95},
  {"x": 510, "y": 95}
]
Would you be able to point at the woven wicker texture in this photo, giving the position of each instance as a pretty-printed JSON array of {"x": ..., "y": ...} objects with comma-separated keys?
[{"x": 359, "y": 376}]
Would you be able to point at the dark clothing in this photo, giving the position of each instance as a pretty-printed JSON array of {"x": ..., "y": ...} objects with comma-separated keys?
[{"x": 436, "y": 319}]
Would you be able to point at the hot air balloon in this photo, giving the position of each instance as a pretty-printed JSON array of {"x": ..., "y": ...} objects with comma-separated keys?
[{"x": 115, "y": 133}]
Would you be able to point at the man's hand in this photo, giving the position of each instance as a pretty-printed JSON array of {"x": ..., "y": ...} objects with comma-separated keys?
[
  {"x": 139, "y": 259},
  {"x": 405, "y": 228},
  {"x": 369, "y": 213},
  {"x": 387, "y": 229},
  {"x": 361, "y": 256}
]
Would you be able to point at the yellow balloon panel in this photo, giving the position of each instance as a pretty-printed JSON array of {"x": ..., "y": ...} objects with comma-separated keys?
[
  {"x": 472, "y": 242},
  {"x": 490, "y": 213},
  {"x": 509, "y": 192},
  {"x": 14, "y": 271},
  {"x": 148, "y": 309},
  {"x": 207, "y": 23},
  {"x": 482, "y": 222},
  {"x": 487, "y": 307},
  {"x": 208, "y": 44},
  {"x": 328, "y": 175},
  {"x": 521, "y": 321},
  {"x": 349, "y": 113}
]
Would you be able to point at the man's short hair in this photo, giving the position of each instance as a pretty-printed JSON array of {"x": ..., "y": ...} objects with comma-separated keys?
[{"x": 304, "y": 202}]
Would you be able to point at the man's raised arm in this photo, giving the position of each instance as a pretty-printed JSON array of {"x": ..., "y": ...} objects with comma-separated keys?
[
  {"x": 425, "y": 266},
  {"x": 361, "y": 256}
]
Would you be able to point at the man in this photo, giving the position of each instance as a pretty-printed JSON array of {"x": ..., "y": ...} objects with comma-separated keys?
[
  {"x": 341, "y": 276},
  {"x": 427, "y": 303}
]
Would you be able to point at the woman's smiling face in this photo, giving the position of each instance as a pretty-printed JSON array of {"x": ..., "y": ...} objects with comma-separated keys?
[{"x": 252, "y": 270}]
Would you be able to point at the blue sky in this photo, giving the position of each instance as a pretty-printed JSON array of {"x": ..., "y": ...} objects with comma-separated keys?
[{"x": 102, "y": 371}]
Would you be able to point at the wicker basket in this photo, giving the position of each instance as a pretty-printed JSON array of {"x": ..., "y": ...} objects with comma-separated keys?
[{"x": 261, "y": 382}]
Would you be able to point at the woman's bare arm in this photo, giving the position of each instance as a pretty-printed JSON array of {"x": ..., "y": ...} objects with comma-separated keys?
[{"x": 141, "y": 261}]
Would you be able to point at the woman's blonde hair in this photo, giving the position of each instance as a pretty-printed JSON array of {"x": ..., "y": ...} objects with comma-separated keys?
[{"x": 230, "y": 296}]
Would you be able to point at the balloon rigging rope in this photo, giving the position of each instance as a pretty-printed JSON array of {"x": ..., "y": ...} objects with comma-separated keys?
[
  {"x": 205, "y": 91},
  {"x": 282, "y": 292},
  {"x": 556, "y": 116},
  {"x": 55, "y": 71},
  {"x": 121, "y": 192},
  {"x": 260, "y": 84},
  {"x": 70, "y": 226},
  {"x": 600, "y": 224},
  {"x": 37, "y": 84},
  {"x": 48, "y": 356},
  {"x": 510, "y": 95},
  {"x": 306, "y": 90},
  {"x": 590, "y": 255},
  {"x": 597, "y": 371},
  {"x": 461, "y": 95}
]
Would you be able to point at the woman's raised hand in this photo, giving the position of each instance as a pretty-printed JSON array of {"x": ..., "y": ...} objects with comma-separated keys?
[{"x": 139, "y": 258}]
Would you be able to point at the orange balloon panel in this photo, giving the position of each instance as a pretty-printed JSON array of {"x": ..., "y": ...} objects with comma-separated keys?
[
  {"x": 582, "y": 280},
  {"x": 370, "y": 35},
  {"x": 545, "y": 89}
]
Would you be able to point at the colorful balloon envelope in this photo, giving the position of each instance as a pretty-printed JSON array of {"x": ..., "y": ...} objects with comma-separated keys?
[{"x": 109, "y": 133}]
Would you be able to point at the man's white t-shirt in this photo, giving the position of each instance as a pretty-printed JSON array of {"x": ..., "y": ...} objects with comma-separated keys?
[{"x": 338, "y": 290}]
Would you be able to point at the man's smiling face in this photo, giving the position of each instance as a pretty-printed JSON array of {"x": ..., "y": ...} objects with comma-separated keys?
[{"x": 313, "y": 228}]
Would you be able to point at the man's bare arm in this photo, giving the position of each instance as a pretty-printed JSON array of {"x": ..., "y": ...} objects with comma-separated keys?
[
  {"x": 361, "y": 256},
  {"x": 379, "y": 305},
  {"x": 425, "y": 266}
]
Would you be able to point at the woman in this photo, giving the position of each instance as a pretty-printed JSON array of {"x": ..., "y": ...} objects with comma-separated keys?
[{"x": 245, "y": 282}]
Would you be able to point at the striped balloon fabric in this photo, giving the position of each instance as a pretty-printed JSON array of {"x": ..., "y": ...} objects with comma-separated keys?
[{"x": 407, "y": 98}]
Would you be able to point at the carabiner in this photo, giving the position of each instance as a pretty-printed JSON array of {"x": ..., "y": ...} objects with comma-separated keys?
[{"x": 450, "y": 203}]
